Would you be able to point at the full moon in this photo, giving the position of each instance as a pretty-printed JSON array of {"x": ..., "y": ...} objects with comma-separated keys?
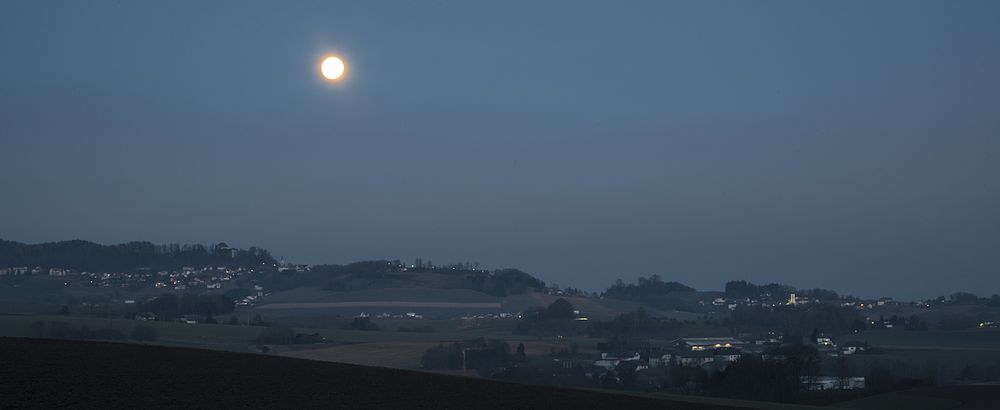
[{"x": 332, "y": 68}]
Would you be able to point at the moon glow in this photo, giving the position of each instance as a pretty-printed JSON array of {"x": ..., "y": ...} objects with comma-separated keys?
[{"x": 332, "y": 68}]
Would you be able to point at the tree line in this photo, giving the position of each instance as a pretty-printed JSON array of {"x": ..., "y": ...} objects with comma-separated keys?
[
  {"x": 169, "y": 306},
  {"x": 799, "y": 320},
  {"x": 482, "y": 354},
  {"x": 632, "y": 330},
  {"x": 556, "y": 319},
  {"x": 384, "y": 273},
  {"x": 652, "y": 291}
]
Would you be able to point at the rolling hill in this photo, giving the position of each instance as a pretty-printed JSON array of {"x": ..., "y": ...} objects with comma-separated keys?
[{"x": 73, "y": 374}]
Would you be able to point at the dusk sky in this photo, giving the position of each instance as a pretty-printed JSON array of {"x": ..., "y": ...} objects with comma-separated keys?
[{"x": 850, "y": 145}]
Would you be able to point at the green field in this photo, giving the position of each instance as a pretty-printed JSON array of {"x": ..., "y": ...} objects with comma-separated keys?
[
  {"x": 899, "y": 401},
  {"x": 942, "y": 354},
  {"x": 405, "y": 354},
  {"x": 234, "y": 338},
  {"x": 592, "y": 307},
  {"x": 974, "y": 339},
  {"x": 953, "y": 397},
  {"x": 934, "y": 316},
  {"x": 344, "y": 345},
  {"x": 437, "y": 303},
  {"x": 432, "y": 303},
  {"x": 386, "y": 294}
]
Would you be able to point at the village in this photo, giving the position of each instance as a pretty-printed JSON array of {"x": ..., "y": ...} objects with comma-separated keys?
[{"x": 711, "y": 354}]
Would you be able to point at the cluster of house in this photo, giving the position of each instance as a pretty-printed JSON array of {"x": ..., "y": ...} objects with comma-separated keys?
[
  {"x": 500, "y": 315},
  {"x": 150, "y": 316},
  {"x": 285, "y": 266},
  {"x": 192, "y": 278},
  {"x": 833, "y": 383},
  {"x": 145, "y": 316},
  {"x": 716, "y": 353},
  {"x": 766, "y": 300},
  {"x": 99, "y": 279},
  {"x": 181, "y": 279},
  {"x": 706, "y": 352},
  {"x": 407, "y": 315},
  {"x": 24, "y": 270},
  {"x": 872, "y": 304},
  {"x": 250, "y": 300},
  {"x": 548, "y": 290}
]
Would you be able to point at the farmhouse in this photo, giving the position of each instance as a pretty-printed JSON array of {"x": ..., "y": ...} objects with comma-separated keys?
[
  {"x": 145, "y": 316},
  {"x": 833, "y": 383},
  {"x": 824, "y": 341},
  {"x": 611, "y": 360},
  {"x": 706, "y": 343},
  {"x": 695, "y": 357},
  {"x": 727, "y": 354},
  {"x": 853, "y": 347},
  {"x": 189, "y": 319},
  {"x": 660, "y": 361}
]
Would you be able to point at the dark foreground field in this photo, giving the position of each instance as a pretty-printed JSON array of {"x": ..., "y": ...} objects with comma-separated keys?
[
  {"x": 72, "y": 374},
  {"x": 969, "y": 397}
]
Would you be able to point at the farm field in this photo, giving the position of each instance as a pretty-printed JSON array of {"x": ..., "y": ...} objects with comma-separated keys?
[
  {"x": 351, "y": 310},
  {"x": 933, "y": 316},
  {"x": 401, "y": 355},
  {"x": 348, "y": 346},
  {"x": 975, "y": 339},
  {"x": 944, "y": 365},
  {"x": 227, "y": 337},
  {"x": 970, "y": 397},
  {"x": 441, "y": 303},
  {"x": 899, "y": 400},
  {"x": 222, "y": 337},
  {"x": 437, "y": 303},
  {"x": 405, "y": 354},
  {"x": 386, "y": 304},
  {"x": 489, "y": 327},
  {"x": 393, "y": 294},
  {"x": 942, "y": 353}
]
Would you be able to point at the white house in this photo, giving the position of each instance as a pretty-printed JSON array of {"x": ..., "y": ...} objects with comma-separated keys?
[
  {"x": 852, "y": 347},
  {"x": 705, "y": 343},
  {"x": 833, "y": 383},
  {"x": 695, "y": 358}
]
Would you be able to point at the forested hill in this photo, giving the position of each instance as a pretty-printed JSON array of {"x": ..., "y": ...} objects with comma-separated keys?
[
  {"x": 655, "y": 292},
  {"x": 393, "y": 274},
  {"x": 89, "y": 256}
]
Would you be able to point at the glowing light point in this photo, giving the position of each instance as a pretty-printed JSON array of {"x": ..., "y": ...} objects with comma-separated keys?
[{"x": 332, "y": 68}]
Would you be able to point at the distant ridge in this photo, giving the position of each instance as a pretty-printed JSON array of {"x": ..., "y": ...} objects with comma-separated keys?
[
  {"x": 85, "y": 256},
  {"x": 89, "y": 256}
]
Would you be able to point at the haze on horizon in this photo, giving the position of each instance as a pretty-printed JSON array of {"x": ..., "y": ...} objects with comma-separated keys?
[{"x": 849, "y": 145}]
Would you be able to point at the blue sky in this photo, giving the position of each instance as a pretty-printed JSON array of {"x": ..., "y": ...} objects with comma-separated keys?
[{"x": 850, "y": 145}]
